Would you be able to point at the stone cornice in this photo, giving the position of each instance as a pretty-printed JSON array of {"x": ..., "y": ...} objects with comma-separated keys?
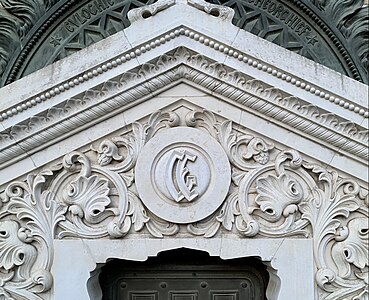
[
  {"x": 181, "y": 135},
  {"x": 312, "y": 88},
  {"x": 335, "y": 117},
  {"x": 116, "y": 94}
]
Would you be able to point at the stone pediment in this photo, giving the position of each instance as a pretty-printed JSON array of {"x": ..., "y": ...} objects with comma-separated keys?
[
  {"x": 187, "y": 134},
  {"x": 33, "y": 128},
  {"x": 185, "y": 171}
]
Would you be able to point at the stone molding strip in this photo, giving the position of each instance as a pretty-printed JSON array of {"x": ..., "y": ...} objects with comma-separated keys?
[
  {"x": 149, "y": 79},
  {"x": 183, "y": 31}
]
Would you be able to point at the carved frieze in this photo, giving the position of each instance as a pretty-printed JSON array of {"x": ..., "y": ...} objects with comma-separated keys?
[{"x": 184, "y": 172}]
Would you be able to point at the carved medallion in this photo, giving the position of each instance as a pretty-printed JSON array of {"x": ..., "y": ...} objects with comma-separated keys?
[{"x": 183, "y": 175}]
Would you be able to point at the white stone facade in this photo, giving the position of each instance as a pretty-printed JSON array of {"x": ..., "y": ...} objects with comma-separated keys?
[{"x": 198, "y": 135}]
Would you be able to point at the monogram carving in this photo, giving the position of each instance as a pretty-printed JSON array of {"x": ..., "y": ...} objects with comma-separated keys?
[
  {"x": 180, "y": 183},
  {"x": 183, "y": 175},
  {"x": 189, "y": 172}
]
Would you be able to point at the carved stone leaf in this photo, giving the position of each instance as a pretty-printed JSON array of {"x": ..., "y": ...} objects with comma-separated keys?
[
  {"x": 17, "y": 257},
  {"x": 203, "y": 120},
  {"x": 354, "y": 249},
  {"x": 107, "y": 152},
  {"x": 243, "y": 147},
  {"x": 207, "y": 228},
  {"x": 158, "y": 228},
  {"x": 88, "y": 197},
  {"x": 326, "y": 213},
  {"x": 160, "y": 120},
  {"x": 258, "y": 149},
  {"x": 228, "y": 211},
  {"x": 116, "y": 230},
  {"x": 41, "y": 213},
  {"x": 225, "y": 135},
  {"x": 137, "y": 212},
  {"x": 237, "y": 176},
  {"x": 278, "y": 196},
  {"x": 247, "y": 227},
  {"x": 128, "y": 177}
]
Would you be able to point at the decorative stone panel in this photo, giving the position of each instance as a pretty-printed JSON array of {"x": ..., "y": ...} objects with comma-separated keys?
[
  {"x": 186, "y": 138},
  {"x": 186, "y": 173}
]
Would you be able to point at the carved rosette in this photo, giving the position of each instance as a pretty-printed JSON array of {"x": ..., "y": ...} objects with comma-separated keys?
[{"x": 190, "y": 173}]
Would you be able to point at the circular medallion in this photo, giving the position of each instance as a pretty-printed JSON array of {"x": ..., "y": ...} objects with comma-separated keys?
[{"x": 182, "y": 175}]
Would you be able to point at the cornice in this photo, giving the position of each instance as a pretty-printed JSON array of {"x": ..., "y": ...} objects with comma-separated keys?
[
  {"x": 119, "y": 93},
  {"x": 197, "y": 37},
  {"x": 77, "y": 96},
  {"x": 100, "y": 153}
]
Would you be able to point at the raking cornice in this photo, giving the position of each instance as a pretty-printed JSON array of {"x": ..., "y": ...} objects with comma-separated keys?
[
  {"x": 118, "y": 93},
  {"x": 256, "y": 80}
]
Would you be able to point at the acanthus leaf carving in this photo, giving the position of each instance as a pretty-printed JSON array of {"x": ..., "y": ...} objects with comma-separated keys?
[
  {"x": 239, "y": 147},
  {"x": 278, "y": 196},
  {"x": 27, "y": 243},
  {"x": 87, "y": 198},
  {"x": 107, "y": 152},
  {"x": 160, "y": 228},
  {"x": 206, "y": 228},
  {"x": 17, "y": 253},
  {"x": 353, "y": 250},
  {"x": 274, "y": 193},
  {"x": 333, "y": 201}
]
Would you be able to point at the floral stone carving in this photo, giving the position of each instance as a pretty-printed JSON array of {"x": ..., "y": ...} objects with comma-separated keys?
[{"x": 270, "y": 192}]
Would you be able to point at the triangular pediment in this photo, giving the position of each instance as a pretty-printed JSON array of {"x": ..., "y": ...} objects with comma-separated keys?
[
  {"x": 184, "y": 163},
  {"x": 79, "y": 105},
  {"x": 184, "y": 131}
]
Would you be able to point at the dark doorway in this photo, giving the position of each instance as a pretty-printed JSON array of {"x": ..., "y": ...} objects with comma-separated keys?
[{"x": 184, "y": 274}]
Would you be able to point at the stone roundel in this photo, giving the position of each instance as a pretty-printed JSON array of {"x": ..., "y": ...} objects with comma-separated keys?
[{"x": 182, "y": 175}]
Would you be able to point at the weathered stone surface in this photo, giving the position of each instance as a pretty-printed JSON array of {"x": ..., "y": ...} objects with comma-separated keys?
[
  {"x": 37, "y": 33},
  {"x": 248, "y": 155}
]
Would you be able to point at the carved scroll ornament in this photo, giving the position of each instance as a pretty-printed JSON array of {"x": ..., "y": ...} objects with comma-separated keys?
[{"x": 270, "y": 193}]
